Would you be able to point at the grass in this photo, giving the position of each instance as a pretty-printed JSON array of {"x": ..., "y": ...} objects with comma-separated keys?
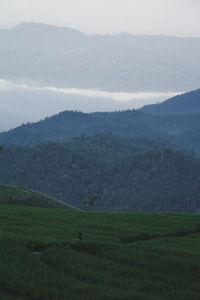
[
  {"x": 27, "y": 197},
  {"x": 122, "y": 255}
]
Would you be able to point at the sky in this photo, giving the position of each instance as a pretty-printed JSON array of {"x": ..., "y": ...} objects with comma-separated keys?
[{"x": 165, "y": 17}]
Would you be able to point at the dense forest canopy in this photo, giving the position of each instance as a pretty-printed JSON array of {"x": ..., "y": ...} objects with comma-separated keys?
[
  {"x": 125, "y": 160},
  {"x": 181, "y": 129},
  {"x": 123, "y": 173}
]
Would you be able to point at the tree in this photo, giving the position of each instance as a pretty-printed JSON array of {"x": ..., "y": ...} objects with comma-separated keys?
[{"x": 90, "y": 202}]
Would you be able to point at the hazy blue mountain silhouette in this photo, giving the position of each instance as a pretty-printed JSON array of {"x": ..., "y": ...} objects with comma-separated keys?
[
  {"x": 175, "y": 121},
  {"x": 185, "y": 103},
  {"x": 49, "y": 55}
]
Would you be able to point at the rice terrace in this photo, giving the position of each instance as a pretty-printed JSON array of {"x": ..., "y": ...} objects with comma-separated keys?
[{"x": 121, "y": 255}]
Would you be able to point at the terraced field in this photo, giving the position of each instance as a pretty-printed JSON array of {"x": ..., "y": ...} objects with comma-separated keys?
[{"x": 121, "y": 255}]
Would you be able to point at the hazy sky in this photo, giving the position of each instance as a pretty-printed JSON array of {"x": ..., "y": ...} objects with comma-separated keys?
[{"x": 168, "y": 17}]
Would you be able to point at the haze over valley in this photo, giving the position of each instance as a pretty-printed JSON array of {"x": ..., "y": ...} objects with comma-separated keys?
[
  {"x": 44, "y": 55},
  {"x": 46, "y": 69},
  {"x": 24, "y": 103}
]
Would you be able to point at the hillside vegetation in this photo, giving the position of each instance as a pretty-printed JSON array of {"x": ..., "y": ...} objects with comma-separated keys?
[
  {"x": 184, "y": 103},
  {"x": 68, "y": 124},
  {"x": 126, "y": 160},
  {"x": 124, "y": 174},
  {"x": 121, "y": 256},
  {"x": 175, "y": 121},
  {"x": 179, "y": 117},
  {"x": 27, "y": 197}
]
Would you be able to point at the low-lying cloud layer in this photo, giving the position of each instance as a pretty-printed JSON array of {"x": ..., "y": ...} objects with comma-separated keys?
[
  {"x": 139, "y": 98},
  {"x": 117, "y": 96},
  {"x": 22, "y": 103}
]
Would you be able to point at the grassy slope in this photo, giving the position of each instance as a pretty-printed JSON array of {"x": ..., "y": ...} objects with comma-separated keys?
[
  {"x": 27, "y": 197},
  {"x": 122, "y": 255}
]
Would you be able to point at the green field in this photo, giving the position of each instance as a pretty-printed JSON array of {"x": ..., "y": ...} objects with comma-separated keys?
[{"x": 122, "y": 255}]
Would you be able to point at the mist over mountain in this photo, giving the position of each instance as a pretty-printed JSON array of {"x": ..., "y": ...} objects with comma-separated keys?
[
  {"x": 41, "y": 54},
  {"x": 23, "y": 103}
]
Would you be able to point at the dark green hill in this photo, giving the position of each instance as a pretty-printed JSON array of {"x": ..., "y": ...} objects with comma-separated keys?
[
  {"x": 181, "y": 129},
  {"x": 179, "y": 118},
  {"x": 68, "y": 124},
  {"x": 125, "y": 174},
  {"x": 122, "y": 256},
  {"x": 184, "y": 103},
  {"x": 27, "y": 197}
]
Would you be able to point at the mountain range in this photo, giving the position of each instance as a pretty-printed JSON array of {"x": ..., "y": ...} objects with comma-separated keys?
[
  {"x": 187, "y": 103},
  {"x": 127, "y": 160},
  {"x": 64, "y": 57},
  {"x": 174, "y": 122}
]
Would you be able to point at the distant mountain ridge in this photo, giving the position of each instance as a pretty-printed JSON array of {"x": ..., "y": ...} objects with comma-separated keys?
[
  {"x": 184, "y": 103},
  {"x": 173, "y": 122},
  {"x": 64, "y": 57},
  {"x": 128, "y": 159},
  {"x": 180, "y": 117},
  {"x": 68, "y": 124}
]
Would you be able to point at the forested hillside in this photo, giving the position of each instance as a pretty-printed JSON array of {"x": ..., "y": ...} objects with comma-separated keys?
[
  {"x": 180, "y": 129},
  {"x": 184, "y": 103},
  {"x": 68, "y": 124},
  {"x": 124, "y": 161},
  {"x": 180, "y": 118},
  {"x": 122, "y": 174}
]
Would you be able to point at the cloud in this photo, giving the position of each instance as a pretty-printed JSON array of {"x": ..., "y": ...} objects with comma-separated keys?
[
  {"x": 6, "y": 85},
  {"x": 138, "y": 97},
  {"x": 117, "y": 96},
  {"x": 23, "y": 103}
]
